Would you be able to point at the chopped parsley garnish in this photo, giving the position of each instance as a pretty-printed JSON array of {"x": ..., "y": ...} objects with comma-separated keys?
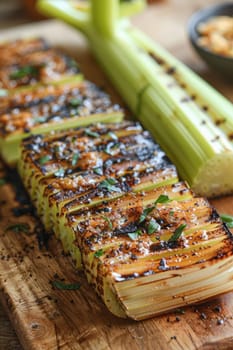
[
  {"x": 24, "y": 71},
  {"x": 109, "y": 185},
  {"x": 45, "y": 159},
  {"x": 66, "y": 286},
  {"x": 20, "y": 227},
  {"x": 60, "y": 172},
  {"x": 98, "y": 171},
  {"x": 161, "y": 199},
  {"x": 113, "y": 136},
  {"x": 135, "y": 235},
  {"x": 90, "y": 133},
  {"x": 144, "y": 214},
  {"x": 227, "y": 219},
  {"x": 40, "y": 120},
  {"x": 99, "y": 253},
  {"x": 178, "y": 232},
  {"x": 153, "y": 226},
  {"x": 110, "y": 147},
  {"x": 108, "y": 221},
  {"x": 57, "y": 149},
  {"x": 2, "y": 181},
  {"x": 75, "y": 102},
  {"x": 75, "y": 159}
]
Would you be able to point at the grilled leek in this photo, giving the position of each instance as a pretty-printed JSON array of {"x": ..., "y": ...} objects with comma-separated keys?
[
  {"x": 62, "y": 105},
  {"x": 75, "y": 170},
  {"x": 12, "y": 52},
  {"x": 38, "y": 66},
  {"x": 145, "y": 241}
]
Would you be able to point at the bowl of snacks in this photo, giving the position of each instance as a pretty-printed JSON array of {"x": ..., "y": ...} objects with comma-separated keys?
[{"x": 211, "y": 34}]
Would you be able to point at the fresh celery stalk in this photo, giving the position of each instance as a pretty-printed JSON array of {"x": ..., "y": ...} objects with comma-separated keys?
[{"x": 165, "y": 95}]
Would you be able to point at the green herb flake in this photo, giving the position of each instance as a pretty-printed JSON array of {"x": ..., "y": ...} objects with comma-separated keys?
[
  {"x": 135, "y": 235},
  {"x": 227, "y": 219},
  {"x": 110, "y": 148},
  {"x": 113, "y": 136},
  {"x": 2, "y": 181},
  {"x": 65, "y": 286},
  {"x": 98, "y": 171},
  {"x": 39, "y": 120},
  {"x": 153, "y": 227},
  {"x": 109, "y": 185},
  {"x": 45, "y": 159},
  {"x": 75, "y": 159},
  {"x": 99, "y": 253},
  {"x": 90, "y": 133},
  {"x": 18, "y": 228},
  {"x": 144, "y": 214},
  {"x": 75, "y": 102},
  {"x": 108, "y": 221},
  {"x": 24, "y": 71},
  {"x": 162, "y": 199},
  {"x": 171, "y": 213},
  {"x": 57, "y": 149},
  {"x": 60, "y": 172},
  {"x": 176, "y": 235}
]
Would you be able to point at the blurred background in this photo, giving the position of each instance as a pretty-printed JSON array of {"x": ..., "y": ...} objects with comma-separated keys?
[{"x": 13, "y": 12}]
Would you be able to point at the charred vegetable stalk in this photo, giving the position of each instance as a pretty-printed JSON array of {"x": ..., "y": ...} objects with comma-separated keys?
[
  {"x": 191, "y": 121},
  {"x": 146, "y": 242},
  {"x": 76, "y": 170},
  {"x": 42, "y": 92}
]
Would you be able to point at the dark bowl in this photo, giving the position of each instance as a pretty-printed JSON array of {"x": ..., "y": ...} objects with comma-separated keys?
[{"x": 219, "y": 63}]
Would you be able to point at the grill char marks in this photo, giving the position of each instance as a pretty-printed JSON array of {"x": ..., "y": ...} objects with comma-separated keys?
[
  {"x": 53, "y": 105},
  {"x": 39, "y": 66},
  {"x": 119, "y": 208},
  {"x": 42, "y": 90},
  {"x": 12, "y": 53}
]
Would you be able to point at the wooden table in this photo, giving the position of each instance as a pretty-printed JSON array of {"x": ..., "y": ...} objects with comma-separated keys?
[{"x": 166, "y": 22}]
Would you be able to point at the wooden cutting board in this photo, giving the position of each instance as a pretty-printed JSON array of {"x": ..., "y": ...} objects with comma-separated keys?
[{"x": 48, "y": 318}]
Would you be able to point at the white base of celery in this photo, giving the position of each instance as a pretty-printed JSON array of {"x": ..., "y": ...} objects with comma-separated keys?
[
  {"x": 215, "y": 178},
  {"x": 152, "y": 295}
]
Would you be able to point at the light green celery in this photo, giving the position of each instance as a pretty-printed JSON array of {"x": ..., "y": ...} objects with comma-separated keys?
[
  {"x": 64, "y": 80},
  {"x": 218, "y": 106},
  {"x": 128, "y": 8},
  {"x": 202, "y": 152},
  {"x": 80, "y": 19},
  {"x": 104, "y": 15},
  {"x": 188, "y": 112},
  {"x": 128, "y": 81},
  {"x": 177, "y": 142},
  {"x": 63, "y": 9}
]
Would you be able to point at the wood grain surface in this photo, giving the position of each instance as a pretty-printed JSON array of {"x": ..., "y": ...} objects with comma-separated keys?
[{"x": 47, "y": 318}]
